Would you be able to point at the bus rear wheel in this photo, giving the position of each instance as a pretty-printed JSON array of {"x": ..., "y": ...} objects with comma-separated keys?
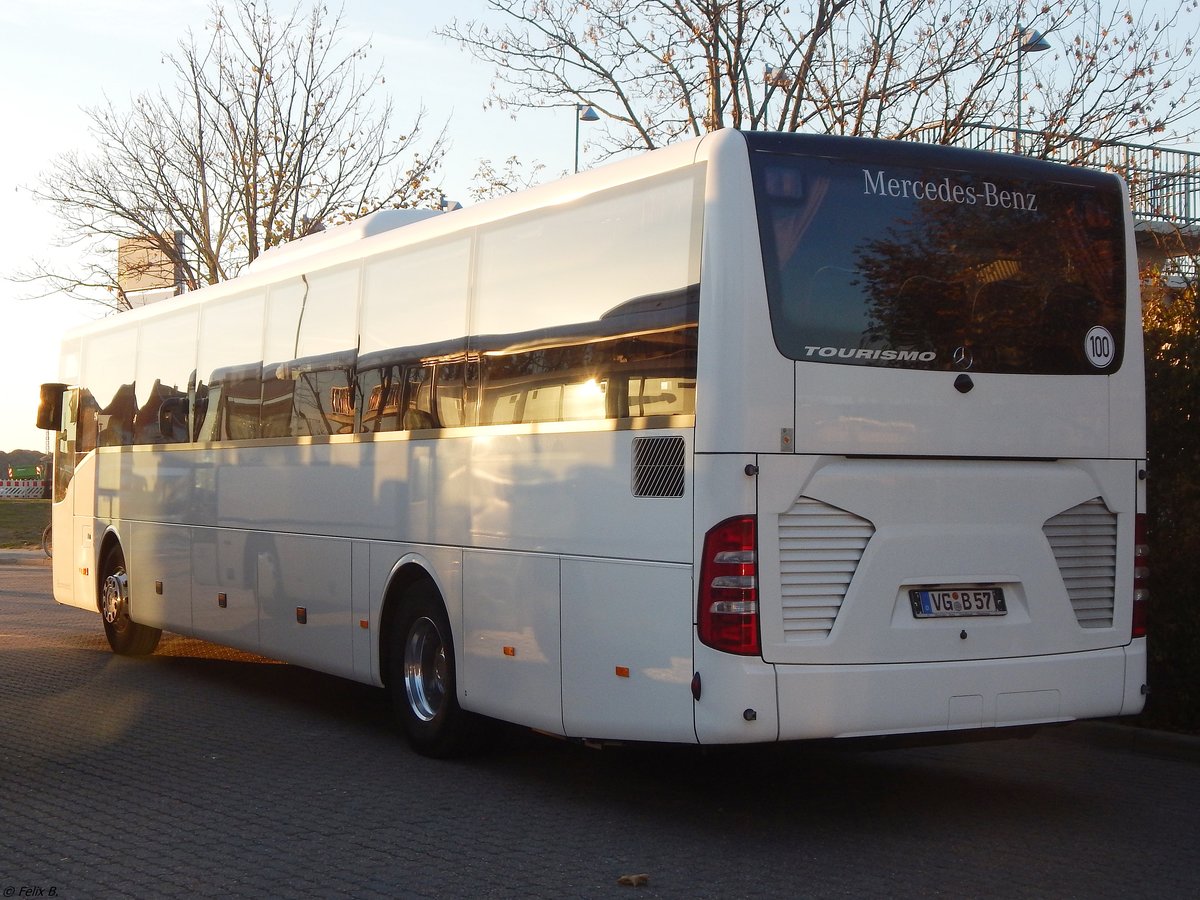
[
  {"x": 422, "y": 676},
  {"x": 125, "y": 636}
]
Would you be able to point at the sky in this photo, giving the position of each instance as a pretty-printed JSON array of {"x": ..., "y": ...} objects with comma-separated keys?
[{"x": 58, "y": 57}]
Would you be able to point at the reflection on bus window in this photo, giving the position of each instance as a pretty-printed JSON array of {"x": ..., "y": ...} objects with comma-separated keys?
[
  {"x": 323, "y": 395},
  {"x": 453, "y": 403},
  {"x": 116, "y": 419},
  {"x": 928, "y": 269},
  {"x": 275, "y": 416},
  {"x": 305, "y": 358},
  {"x": 229, "y": 389},
  {"x": 163, "y": 416},
  {"x": 166, "y": 364}
]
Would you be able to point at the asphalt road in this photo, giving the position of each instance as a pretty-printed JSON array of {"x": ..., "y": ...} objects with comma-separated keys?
[{"x": 203, "y": 771}]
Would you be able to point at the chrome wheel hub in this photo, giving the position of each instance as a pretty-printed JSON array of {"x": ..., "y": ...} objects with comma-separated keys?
[
  {"x": 114, "y": 596},
  {"x": 425, "y": 670}
]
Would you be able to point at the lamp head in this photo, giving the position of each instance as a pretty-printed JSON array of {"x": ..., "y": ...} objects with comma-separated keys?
[{"x": 1032, "y": 41}]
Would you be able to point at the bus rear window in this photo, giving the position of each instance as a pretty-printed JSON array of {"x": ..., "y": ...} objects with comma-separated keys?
[{"x": 880, "y": 265}]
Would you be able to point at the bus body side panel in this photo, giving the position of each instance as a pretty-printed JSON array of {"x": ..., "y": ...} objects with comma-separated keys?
[
  {"x": 64, "y": 562},
  {"x": 627, "y": 650},
  {"x": 159, "y": 561},
  {"x": 252, "y": 574},
  {"x": 224, "y": 581},
  {"x": 73, "y": 526},
  {"x": 1127, "y": 388},
  {"x": 747, "y": 389},
  {"x": 511, "y": 667},
  {"x": 304, "y": 601},
  {"x": 268, "y": 554},
  {"x": 567, "y": 551}
]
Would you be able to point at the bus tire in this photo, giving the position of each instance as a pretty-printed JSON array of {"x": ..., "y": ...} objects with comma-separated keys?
[
  {"x": 422, "y": 676},
  {"x": 125, "y": 636}
]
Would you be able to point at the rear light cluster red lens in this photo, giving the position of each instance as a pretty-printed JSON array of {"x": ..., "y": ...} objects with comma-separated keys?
[
  {"x": 727, "y": 611},
  {"x": 1141, "y": 577}
]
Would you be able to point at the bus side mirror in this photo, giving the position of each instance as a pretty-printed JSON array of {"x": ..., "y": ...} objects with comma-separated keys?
[{"x": 50, "y": 407}]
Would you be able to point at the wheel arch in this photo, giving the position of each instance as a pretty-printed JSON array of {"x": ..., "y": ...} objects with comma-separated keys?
[{"x": 403, "y": 576}]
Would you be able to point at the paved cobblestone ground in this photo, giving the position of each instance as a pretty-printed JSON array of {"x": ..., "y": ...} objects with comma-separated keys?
[{"x": 201, "y": 771}]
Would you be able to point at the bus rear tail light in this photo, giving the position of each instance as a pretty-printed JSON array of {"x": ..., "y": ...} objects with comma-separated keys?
[
  {"x": 1141, "y": 577},
  {"x": 727, "y": 609}
]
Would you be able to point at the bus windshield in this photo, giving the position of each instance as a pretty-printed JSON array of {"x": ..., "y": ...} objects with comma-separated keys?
[{"x": 942, "y": 269}]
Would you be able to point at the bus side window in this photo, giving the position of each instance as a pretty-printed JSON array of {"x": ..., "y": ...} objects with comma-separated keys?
[
  {"x": 67, "y": 453},
  {"x": 376, "y": 391},
  {"x": 229, "y": 402},
  {"x": 418, "y": 407},
  {"x": 241, "y": 403},
  {"x": 108, "y": 377},
  {"x": 323, "y": 399},
  {"x": 200, "y": 413},
  {"x": 662, "y": 396},
  {"x": 396, "y": 397},
  {"x": 162, "y": 417},
  {"x": 166, "y": 369},
  {"x": 116, "y": 419},
  {"x": 325, "y": 353},
  {"x": 88, "y": 427},
  {"x": 450, "y": 390}
]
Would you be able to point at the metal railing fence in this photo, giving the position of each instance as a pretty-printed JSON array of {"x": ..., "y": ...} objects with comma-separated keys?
[{"x": 1164, "y": 183}]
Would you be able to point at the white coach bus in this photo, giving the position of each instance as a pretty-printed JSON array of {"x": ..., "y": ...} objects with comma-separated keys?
[{"x": 760, "y": 437}]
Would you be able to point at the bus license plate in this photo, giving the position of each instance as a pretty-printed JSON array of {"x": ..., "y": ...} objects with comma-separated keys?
[{"x": 930, "y": 603}]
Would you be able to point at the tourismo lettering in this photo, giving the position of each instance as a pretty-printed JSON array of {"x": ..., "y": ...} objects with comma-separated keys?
[
  {"x": 863, "y": 353},
  {"x": 945, "y": 190}
]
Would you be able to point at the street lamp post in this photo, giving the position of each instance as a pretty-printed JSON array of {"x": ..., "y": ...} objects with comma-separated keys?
[
  {"x": 1029, "y": 40},
  {"x": 582, "y": 114}
]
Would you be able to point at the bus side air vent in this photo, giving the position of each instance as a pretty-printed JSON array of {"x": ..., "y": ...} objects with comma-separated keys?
[
  {"x": 819, "y": 550},
  {"x": 1084, "y": 541},
  {"x": 658, "y": 466}
]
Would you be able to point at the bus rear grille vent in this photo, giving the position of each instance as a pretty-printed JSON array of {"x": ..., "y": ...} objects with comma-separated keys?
[
  {"x": 819, "y": 550},
  {"x": 658, "y": 466},
  {"x": 1084, "y": 541}
]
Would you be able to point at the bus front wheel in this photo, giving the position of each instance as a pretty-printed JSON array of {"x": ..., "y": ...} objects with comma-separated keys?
[
  {"x": 125, "y": 636},
  {"x": 422, "y": 676}
]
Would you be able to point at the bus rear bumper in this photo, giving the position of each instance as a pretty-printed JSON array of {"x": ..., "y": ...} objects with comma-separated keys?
[{"x": 853, "y": 701}]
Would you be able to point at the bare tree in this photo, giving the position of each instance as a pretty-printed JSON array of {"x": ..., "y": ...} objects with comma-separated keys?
[
  {"x": 657, "y": 69},
  {"x": 663, "y": 69},
  {"x": 271, "y": 131},
  {"x": 513, "y": 176}
]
